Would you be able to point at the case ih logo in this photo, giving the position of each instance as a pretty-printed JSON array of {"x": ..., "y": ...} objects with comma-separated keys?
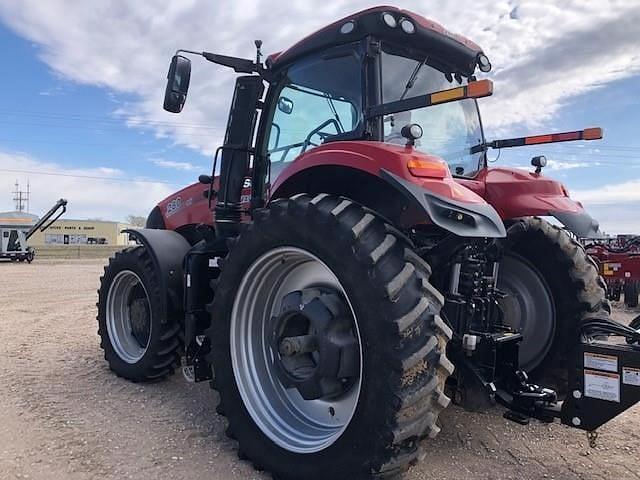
[{"x": 173, "y": 206}]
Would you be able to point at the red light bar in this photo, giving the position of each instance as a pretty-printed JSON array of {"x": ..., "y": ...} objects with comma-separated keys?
[{"x": 586, "y": 134}]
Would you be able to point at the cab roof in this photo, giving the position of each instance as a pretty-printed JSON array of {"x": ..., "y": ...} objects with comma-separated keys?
[{"x": 455, "y": 53}]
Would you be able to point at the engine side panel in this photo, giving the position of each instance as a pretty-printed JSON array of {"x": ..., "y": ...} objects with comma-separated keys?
[{"x": 516, "y": 193}]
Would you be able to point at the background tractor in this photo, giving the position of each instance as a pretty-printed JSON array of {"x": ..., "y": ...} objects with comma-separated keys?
[{"x": 362, "y": 264}]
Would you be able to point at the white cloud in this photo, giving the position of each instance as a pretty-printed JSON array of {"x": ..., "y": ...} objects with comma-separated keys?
[
  {"x": 616, "y": 218},
  {"x": 99, "y": 192},
  {"x": 544, "y": 52},
  {"x": 615, "y": 206},
  {"x": 614, "y": 193},
  {"x": 187, "y": 166},
  {"x": 558, "y": 165}
]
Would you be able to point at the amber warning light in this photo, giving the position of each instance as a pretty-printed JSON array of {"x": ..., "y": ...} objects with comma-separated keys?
[{"x": 476, "y": 89}]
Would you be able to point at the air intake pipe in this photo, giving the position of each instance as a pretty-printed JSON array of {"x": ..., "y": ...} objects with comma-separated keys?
[{"x": 236, "y": 153}]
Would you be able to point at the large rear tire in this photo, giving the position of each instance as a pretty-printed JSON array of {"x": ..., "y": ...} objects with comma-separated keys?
[
  {"x": 330, "y": 254},
  {"x": 577, "y": 292},
  {"x": 138, "y": 343}
]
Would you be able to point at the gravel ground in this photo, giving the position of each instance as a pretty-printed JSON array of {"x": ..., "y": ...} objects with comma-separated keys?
[{"x": 63, "y": 415}]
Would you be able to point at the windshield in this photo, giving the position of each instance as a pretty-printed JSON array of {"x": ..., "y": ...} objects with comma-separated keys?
[{"x": 451, "y": 130}]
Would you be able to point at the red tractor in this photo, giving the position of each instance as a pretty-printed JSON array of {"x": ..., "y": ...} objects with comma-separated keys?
[{"x": 362, "y": 264}]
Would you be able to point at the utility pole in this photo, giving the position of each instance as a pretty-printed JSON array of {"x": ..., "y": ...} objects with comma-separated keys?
[{"x": 21, "y": 198}]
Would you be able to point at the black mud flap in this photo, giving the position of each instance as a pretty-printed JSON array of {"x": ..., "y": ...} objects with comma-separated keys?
[
  {"x": 460, "y": 218},
  {"x": 582, "y": 224},
  {"x": 167, "y": 250}
]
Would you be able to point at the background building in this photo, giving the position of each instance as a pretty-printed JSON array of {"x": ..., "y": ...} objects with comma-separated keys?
[{"x": 82, "y": 232}]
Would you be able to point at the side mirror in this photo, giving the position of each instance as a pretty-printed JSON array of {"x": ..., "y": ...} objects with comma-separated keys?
[
  {"x": 206, "y": 179},
  {"x": 177, "y": 84},
  {"x": 285, "y": 105}
]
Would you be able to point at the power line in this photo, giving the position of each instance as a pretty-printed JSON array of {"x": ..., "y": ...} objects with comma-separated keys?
[
  {"x": 106, "y": 179},
  {"x": 106, "y": 119}
]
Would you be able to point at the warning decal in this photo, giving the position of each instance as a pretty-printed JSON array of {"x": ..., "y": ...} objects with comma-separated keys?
[
  {"x": 598, "y": 361},
  {"x": 631, "y": 376},
  {"x": 604, "y": 386}
]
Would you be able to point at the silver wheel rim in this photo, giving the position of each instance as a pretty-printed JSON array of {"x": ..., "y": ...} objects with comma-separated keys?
[
  {"x": 528, "y": 309},
  {"x": 118, "y": 317},
  {"x": 293, "y": 423}
]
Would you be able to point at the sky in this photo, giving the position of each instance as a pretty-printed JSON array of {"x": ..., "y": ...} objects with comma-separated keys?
[{"x": 83, "y": 82}]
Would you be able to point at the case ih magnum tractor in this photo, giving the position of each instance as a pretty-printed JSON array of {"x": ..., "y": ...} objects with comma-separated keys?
[{"x": 356, "y": 264}]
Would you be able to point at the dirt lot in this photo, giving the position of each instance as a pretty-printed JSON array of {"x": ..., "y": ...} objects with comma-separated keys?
[{"x": 63, "y": 415}]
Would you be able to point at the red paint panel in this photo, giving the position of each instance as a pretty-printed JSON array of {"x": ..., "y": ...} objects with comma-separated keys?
[
  {"x": 517, "y": 193},
  {"x": 370, "y": 157}
]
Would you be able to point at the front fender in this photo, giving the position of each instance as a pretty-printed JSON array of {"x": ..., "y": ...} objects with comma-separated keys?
[
  {"x": 460, "y": 218},
  {"x": 580, "y": 224},
  {"x": 167, "y": 250}
]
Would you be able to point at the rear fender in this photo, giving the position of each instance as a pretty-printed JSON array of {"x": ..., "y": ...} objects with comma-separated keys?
[
  {"x": 167, "y": 250},
  {"x": 376, "y": 175}
]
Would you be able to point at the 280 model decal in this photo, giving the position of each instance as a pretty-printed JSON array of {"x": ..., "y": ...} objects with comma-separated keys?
[{"x": 176, "y": 204}]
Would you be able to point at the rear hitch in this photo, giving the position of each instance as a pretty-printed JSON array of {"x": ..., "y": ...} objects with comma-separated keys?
[{"x": 604, "y": 381}]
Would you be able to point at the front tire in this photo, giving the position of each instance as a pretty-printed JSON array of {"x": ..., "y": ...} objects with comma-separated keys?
[
  {"x": 631, "y": 291},
  {"x": 138, "y": 343},
  {"x": 329, "y": 253}
]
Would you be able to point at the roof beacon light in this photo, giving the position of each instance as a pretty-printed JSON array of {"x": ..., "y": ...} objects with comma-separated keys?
[
  {"x": 389, "y": 20},
  {"x": 348, "y": 27},
  {"x": 483, "y": 63},
  {"x": 407, "y": 26}
]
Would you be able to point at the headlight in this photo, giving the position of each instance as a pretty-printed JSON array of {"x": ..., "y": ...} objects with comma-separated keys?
[
  {"x": 348, "y": 27},
  {"x": 407, "y": 26},
  {"x": 389, "y": 20},
  {"x": 483, "y": 63}
]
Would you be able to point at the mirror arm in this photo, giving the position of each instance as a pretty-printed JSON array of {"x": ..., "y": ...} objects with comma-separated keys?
[{"x": 239, "y": 65}]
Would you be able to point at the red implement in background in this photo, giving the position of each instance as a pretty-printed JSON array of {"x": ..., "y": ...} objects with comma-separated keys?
[{"x": 618, "y": 259}]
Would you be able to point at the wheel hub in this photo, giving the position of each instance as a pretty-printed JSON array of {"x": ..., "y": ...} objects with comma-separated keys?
[
  {"x": 317, "y": 350},
  {"x": 139, "y": 317},
  {"x": 128, "y": 316}
]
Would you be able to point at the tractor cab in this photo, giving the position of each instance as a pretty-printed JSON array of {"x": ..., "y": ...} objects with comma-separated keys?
[{"x": 384, "y": 76}]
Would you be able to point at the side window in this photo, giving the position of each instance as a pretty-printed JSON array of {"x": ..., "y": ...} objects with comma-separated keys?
[{"x": 319, "y": 99}]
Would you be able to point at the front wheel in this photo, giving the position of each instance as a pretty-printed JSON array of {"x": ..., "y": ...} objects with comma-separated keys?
[
  {"x": 631, "y": 291},
  {"x": 138, "y": 343},
  {"x": 328, "y": 350}
]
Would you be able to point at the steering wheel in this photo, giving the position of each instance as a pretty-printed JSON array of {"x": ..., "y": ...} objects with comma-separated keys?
[{"x": 318, "y": 131}]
